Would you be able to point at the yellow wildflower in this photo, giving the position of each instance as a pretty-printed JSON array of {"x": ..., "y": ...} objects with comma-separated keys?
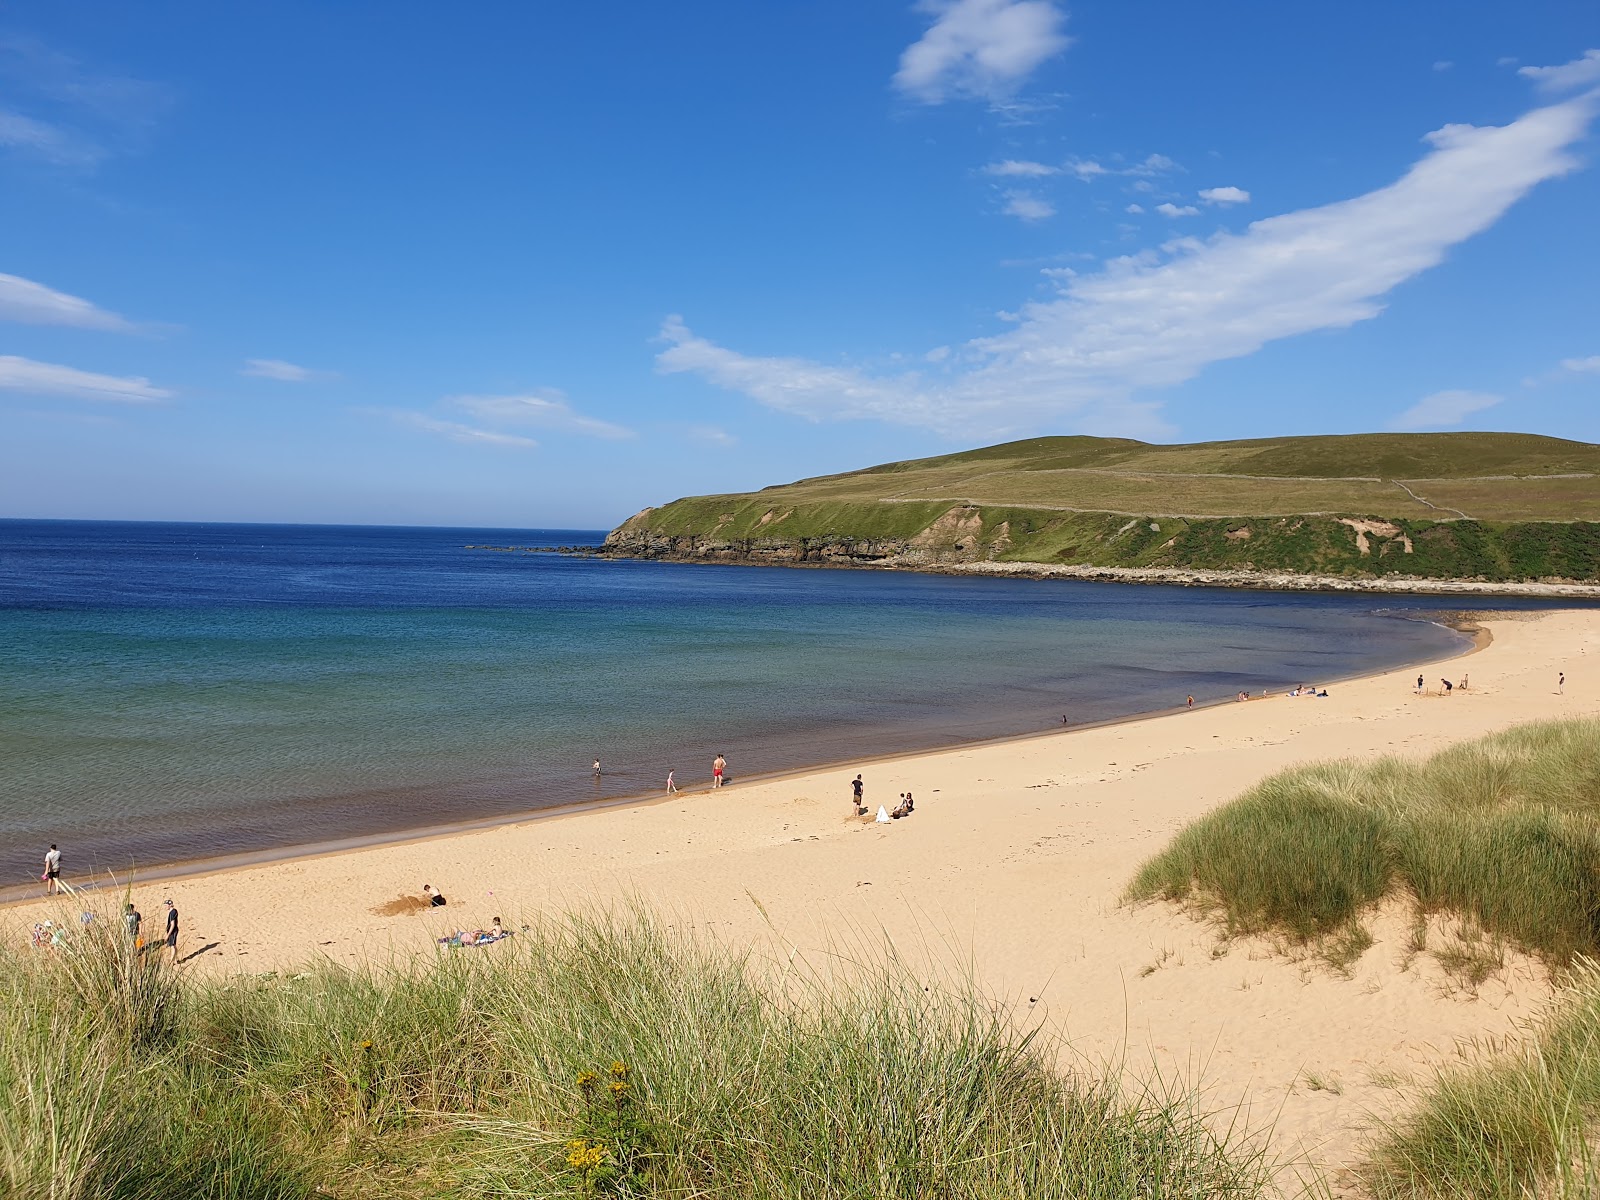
[{"x": 619, "y": 1069}]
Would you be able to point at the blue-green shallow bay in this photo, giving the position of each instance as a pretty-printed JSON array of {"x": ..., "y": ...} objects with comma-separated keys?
[{"x": 172, "y": 692}]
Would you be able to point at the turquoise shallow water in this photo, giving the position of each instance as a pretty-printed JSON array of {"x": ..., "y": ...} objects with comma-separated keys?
[{"x": 179, "y": 691}]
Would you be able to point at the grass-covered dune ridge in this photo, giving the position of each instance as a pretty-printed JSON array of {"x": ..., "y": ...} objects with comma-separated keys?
[
  {"x": 585, "y": 1056},
  {"x": 1455, "y": 505},
  {"x": 1507, "y": 1125},
  {"x": 1504, "y": 830}
]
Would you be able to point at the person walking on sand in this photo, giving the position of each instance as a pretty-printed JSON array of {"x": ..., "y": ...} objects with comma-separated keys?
[
  {"x": 172, "y": 931},
  {"x": 856, "y": 788},
  {"x": 719, "y": 764},
  {"x": 1561, "y": 690},
  {"x": 672, "y": 786},
  {"x": 1419, "y": 685},
  {"x": 52, "y": 871}
]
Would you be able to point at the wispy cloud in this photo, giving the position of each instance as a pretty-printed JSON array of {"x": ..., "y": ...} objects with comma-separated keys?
[
  {"x": 49, "y": 379},
  {"x": 70, "y": 115},
  {"x": 1155, "y": 319},
  {"x": 545, "y": 409},
  {"x": 1013, "y": 168},
  {"x": 497, "y": 416},
  {"x": 982, "y": 49},
  {"x": 35, "y": 304},
  {"x": 1225, "y": 195},
  {"x": 1442, "y": 410},
  {"x": 1581, "y": 72},
  {"x": 1175, "y": 210},
  {"x": 711, "y": 435},
  {"x": 283, "y": 372},
  {"x": 455, "y": 431},
  {"x": 1583, "y": 366},
  {"x": 1028, "y": 207}
]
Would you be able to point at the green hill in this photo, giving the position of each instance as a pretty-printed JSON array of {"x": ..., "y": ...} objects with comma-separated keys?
[{"x": 1492, "y": 506}]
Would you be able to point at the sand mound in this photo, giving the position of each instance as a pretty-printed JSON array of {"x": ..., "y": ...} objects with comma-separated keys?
[{"x": 401, "y": 906}]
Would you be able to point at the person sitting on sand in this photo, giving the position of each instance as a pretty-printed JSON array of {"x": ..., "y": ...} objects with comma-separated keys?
[
  {"x": 435, "y": 897},
  {"x": 906, "y": 807}
]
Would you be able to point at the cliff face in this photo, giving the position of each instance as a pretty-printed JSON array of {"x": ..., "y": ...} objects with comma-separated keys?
[{"x": 921, "y": 536}]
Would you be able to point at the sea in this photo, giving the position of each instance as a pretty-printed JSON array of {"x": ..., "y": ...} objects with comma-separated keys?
[{"x": 178, "y": 692}]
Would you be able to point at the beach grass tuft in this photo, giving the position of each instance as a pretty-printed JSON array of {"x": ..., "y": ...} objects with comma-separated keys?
[
  {"x": 1511, "y": 1123},
  {"x": 1504, "y": 831},
  {"x": 588, "y": 1055}
]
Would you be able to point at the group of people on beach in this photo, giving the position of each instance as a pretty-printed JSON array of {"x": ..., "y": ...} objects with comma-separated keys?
[
  {"x": 719, "y": 770},
  {"x": 858, "y": 803}
]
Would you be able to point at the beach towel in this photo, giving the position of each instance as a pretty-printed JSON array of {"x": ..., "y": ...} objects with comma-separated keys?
[
  {"x": 454, "y": 940},
  {"x": 883, "y": 815}
]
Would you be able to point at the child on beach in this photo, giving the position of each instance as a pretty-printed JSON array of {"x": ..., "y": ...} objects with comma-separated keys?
[{"x": 672, "y": 787}]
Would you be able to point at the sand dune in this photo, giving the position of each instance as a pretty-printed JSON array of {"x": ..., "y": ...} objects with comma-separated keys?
[{"x": 1013, "y": 865}]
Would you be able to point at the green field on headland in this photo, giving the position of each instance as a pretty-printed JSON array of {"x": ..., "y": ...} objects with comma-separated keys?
[{"x": 1496, "y": 507}]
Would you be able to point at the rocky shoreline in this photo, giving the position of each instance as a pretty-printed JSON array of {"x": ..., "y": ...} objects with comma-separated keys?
[{"x": 870, "y": 555}]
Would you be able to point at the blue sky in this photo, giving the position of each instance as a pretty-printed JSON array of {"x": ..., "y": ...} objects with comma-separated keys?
[{"x": 524, "y": 265}]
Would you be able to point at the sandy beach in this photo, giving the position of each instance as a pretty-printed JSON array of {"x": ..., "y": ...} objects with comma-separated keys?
[{"x": 1013, "y": 865}]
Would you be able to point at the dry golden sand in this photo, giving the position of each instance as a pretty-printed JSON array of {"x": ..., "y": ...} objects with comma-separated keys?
[{"x": 1013, "y": 863}]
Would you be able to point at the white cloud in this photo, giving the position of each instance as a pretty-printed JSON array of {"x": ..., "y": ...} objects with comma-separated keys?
[
  {"x": 1086, "y": 168},
  {"x": 710, "y": 435},
  {"x": 1579, "y": 73},
  {"x": 75, "y": 116},
  {"x": 1444, "y": 64},
  {"x": 1443, "y": 409},
  {"x": 545, "y": 409},
  {"x": 457, "y": 432},
  {"x": 57, "y": 146},
  {"x": 1013, "y": 168},
  {"x": 1225, "y": 195},
  {"x": 1154, "y": 164},
  {"x": 1134, "y": 208},
  {"x": 1590, "y": 365},
  {"x": 1028, "y": 207},
  {"x": 1153, "y": 320},
  {"x": 1173, "y": 210},
  {"x": 979, "y": 48},
  {"x": 49, "y": 379},
  {"x": 939, "y": 353},
  {"x": 34, "y": 304},
  {"x": 283, "y": 372}
]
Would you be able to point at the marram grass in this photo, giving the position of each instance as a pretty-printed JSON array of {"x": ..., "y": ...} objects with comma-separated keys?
[
  {"x": 1504, "y": 830},
  {"x": 599, "y": 1056},
  {"x": 1509, "y": 1126}
]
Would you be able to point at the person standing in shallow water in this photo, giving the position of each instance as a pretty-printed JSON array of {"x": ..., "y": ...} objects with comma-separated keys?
[
  {"x": 52, "y": 871},
  {"x": 672, "y": 785},
  {"x": 718, "y": 765}
]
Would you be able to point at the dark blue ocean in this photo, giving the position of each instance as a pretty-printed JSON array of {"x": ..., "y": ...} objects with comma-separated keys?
[{"x": 171, "y": 692}]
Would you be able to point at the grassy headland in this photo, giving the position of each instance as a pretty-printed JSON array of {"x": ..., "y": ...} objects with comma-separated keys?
[
  {"x": 582, "y": 1057},
  {"x": 1504, "y": 831},
  {"x": 1495, "y": 507}
]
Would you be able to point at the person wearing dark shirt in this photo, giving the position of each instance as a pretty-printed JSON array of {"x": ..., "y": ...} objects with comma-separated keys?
[
  {"x": 172, "y": 931},
  {"x": 856, "y": 787}
]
